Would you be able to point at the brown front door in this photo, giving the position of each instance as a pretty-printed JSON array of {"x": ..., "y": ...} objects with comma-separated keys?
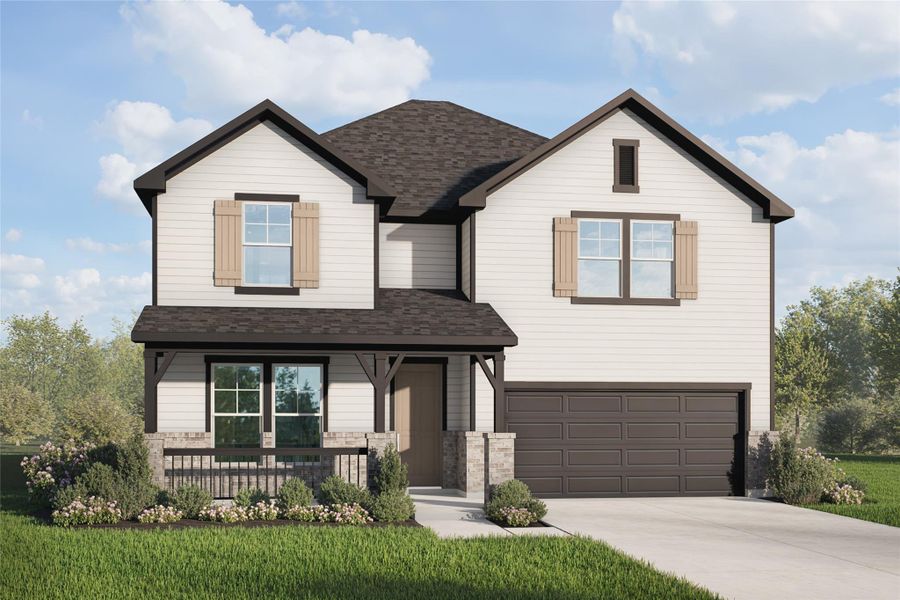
[{"x": 418, "y": 393}]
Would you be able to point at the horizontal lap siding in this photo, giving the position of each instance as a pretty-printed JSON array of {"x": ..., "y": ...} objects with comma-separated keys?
[
  {"x": 417, "y": 255},
  {"x": 181, "y": 395},
  {"x": 723, "y": 336},
  {"x": 264, "y": 160}
]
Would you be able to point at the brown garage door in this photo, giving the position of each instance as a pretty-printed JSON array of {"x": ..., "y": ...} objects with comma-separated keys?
[{"x": 666, "y": 442}]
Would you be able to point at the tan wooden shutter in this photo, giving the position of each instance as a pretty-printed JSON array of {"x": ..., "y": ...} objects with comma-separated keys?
[
  {"x": 305, "y": 244},
  {"x": 565, "y": 257},
  {"x": 686, "y": 260},
  {"x": 228, "y": 241}
]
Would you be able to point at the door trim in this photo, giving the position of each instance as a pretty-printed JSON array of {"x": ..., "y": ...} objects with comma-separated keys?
[{"x": 424, "y": 360}]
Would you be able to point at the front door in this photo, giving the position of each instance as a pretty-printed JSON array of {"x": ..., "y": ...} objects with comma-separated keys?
[{"x": 418, "y": 394}]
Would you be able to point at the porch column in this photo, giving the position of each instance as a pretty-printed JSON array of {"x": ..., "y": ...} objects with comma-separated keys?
[
  {"x": 499, "y": 392},
  {"x": 380, "y": 385},
  {"x": 149, "y": 391}
]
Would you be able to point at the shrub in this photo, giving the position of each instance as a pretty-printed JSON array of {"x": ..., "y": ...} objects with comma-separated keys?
[
  {"x": 294, "y": 492},
  {"x": 263, "y": 511},
  {"x": 393, "y": 475},
  {"x": 191, "y": 500},
  {"x": 513, "y": 494},
  {"x": 335, "y": 490},
  {"x": 101, "y": 480},
  {"x": 851, "y": 426},
  {"x": 843, "y": 494},
  {"x": 517, "y": 517},
  {"x": 225, "y": 514},
  {"x": 97, "y": 480},
  {"x": 250, "y": 496},
  {"x": 89, "y": 511},
  {"x": 392, "y": 506},
  {"x": 800, "y": 476},
  {"x": 54, "y": 468},
  {"x": 853, "y": 481},
  {"x": 307, "y": 514},
  {"x": 160, "y": 514},
  {"x": 349, "y": 514}
]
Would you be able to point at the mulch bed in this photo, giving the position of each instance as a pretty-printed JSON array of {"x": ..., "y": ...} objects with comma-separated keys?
[{"x": 193, "y": 523}]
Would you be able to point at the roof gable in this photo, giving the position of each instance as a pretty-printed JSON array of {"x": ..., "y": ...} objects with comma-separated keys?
[
  {"x": 773, "y": 207},
  {"x": 153, "y": 182}
]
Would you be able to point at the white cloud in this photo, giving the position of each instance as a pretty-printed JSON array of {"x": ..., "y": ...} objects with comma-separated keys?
[
  {"x": 87, "y": 244},
  {"x": 226, "y": 60},
  {"x": 723, "y": 60},
  {"x": 846, "y": 192},
  {"x": 292, "y": 10},
  {"x": 19, "y": 272},
  {"x": 31, "y": 119},
  {"x": 147, "y": 134},
  {"x": 892, "y": 98},
  {"x": 13, "y": 235}
]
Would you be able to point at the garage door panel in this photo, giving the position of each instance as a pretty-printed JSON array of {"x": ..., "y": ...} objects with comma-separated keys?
[{"x": 584, "y": 443}]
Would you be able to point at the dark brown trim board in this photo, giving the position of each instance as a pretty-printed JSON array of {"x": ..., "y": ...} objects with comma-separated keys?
[
  {"x": 153, "y": 182},
  {"x": 618, "y": 186},
  {"x": 772, "y": 326},
  {"x": 267, "y": 197},
  {"x": 627, "y": 386},
  {"x": 154, "y": 208},
  {"x": 267, "y": 291},
  {"x": 773, "y": 207},
  {"x": 150, "y": 402},
  {"x": 459, "y": 257}
]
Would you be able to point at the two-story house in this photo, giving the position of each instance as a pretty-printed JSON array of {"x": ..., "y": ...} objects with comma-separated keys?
[{"x": 592, "y": 313}]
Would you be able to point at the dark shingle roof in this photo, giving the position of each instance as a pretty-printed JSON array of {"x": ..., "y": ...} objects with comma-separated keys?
[
  {"x": 408, "y": 317},
  {"x": 431, "y": 153}
]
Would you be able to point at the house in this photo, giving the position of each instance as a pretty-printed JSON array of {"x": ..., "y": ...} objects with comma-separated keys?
[{"x": 592, "y": 313}]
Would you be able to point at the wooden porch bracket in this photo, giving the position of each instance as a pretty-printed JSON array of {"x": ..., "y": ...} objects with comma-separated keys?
[
  {"x": 168, "y": 357},
  {"x": 380, "y": 379}
]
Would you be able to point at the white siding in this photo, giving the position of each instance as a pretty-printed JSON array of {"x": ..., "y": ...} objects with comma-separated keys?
[
  {"x": 351, "y": 400},
  {"x": 458, "y": 393},
  {"x": 723, "y": 336},
  {"x": 181, "y": 395},
  {"x": 417, "y": 255},
  {"x": 264, "y": 160},
  {"x": 464, "y": 258}
]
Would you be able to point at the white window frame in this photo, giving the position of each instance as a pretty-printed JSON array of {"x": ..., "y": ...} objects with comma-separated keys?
[
  {"x": 619, "y": 260},
  {"x": 212, "y": 398},
  {"x": 245, "y": 243},
  {"x": 320, "y": 414},
  {"x": 671, "y": 260}
]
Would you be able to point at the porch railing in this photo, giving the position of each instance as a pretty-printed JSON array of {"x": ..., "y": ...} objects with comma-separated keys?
[{"x": 225, "y": 471}]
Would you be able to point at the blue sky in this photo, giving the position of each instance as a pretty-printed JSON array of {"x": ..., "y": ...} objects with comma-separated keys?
[{"x": 805, "y": 97}]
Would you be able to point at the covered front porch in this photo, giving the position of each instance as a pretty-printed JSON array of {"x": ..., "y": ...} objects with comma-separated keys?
[{"x": 232, "y": 394}]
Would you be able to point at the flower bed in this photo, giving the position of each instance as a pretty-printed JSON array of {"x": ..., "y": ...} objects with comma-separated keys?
[{"x": 89, "y": 511}]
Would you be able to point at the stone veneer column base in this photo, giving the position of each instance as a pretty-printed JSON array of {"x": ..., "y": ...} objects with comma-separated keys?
[
  {"x": 476, "y": 460},
  {"x": 156, "y": 442},
  {"x": 759, "y": 449}
]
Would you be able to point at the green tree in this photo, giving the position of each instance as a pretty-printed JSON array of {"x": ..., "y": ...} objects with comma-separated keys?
[
  {"x": 849, "y": 427},
  {"x": 885, "y": 343},
  {"x": 99, "y": 419},
  {"x": 801, "y": 367},
  {"x": 124, "y": 369},
  {"x": 23, "y": 415}
]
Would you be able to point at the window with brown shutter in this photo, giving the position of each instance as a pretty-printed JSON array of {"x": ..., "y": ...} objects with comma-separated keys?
[
  {"x": 686, "y": 284},
  {"x": 565, "y": 257},
  {"x": 306, "y": 245},
  {"x": 625, "y": 166},
  {"x": 228, "y": 243}
]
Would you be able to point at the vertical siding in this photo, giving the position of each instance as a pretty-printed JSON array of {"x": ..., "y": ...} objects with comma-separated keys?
[
  {"x": 417, "y": 255},
  {"x": 264, "y": 160},
  {"x": 723, "y": 336},
  {"x": 181, "y": 395},
  {"x": 464, "y": 257}
]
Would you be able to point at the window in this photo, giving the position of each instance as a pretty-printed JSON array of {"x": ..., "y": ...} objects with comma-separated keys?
[
  {"x": 298, "y": 406},
  {"x": 267, "y": 244},
  {"x": 237, "y": 398},
  {"x": 652, "y": 258},
  {"x": 625, "y": 166},
  {"x": 600, "y": 258}
]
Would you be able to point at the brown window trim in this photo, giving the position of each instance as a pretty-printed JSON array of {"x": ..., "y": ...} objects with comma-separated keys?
[
  {"x": 267, "y": 291},
  {"x": 267, "y": 197},
  {"x": 626, "y": 219},
  {"x": 618, "y": 187},
  {"x": 266, "y": 361}
]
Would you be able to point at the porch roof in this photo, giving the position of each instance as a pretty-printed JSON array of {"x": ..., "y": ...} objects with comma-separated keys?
[{"x": 404, "y": 317}]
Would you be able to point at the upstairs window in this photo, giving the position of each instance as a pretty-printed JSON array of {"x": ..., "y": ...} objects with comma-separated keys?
[
  {"x": 267, "y": 244},
  {"x": 625, "y": 166},
  {"x": 600, "y": 258},
  {"x": 652, "y": 259}
]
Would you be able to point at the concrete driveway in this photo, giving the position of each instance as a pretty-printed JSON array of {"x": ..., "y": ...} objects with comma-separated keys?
[{"x": 745, "y": 548}]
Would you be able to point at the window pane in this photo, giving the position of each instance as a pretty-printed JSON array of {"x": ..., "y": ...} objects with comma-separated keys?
[
  {"x": 254, "y": 234},
  {"x": 662, "y": 232},
  {"x": 226, "y": 377},
  {"x": 237, "y": 432},
  {"x": 279, "y": 234},
  {"x": 310, "y": 389},
  {"x": 609, "y": 230},
  {"x": 609, "y": 248},
  {"x": 286, "y": 377},
  {"x": 589, "y": 248},
  {"x": 589, "y": 229},
  {"x": 298, "y": 432},
  {"x": 226, "y": 402},
  {"x": 248, "y": 377},
  {"x": 255, "y": 213},
  {"x": 662, "y": 249},
  {"x": 248, "y": 402},
  {"x": 286, "y": 401},
  {"x": 267, "y": 265},
  {"x": 598, "y": 278},
  {"x": 650, "y": 279},
  {"x": 642, "y": 231},
  {"x": 280, "y": 213},
  {"x": 642, "y": 250}
]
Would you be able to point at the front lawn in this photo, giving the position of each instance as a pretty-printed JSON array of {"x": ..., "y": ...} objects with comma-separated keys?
[
  {"x": 41, "y": 561},
  {"x": 882, "y": 502}
]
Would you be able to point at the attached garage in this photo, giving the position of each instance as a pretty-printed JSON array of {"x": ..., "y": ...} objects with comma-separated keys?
[{"x": 598, "y": 440}]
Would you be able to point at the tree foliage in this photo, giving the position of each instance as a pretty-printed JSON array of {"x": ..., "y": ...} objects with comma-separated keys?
[
  {"x": 801, "y": 368},
  {"x": 23, "y": 414}
]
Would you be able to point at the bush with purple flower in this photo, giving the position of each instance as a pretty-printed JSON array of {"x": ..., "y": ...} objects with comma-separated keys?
[{"x": 53, "y": 468}]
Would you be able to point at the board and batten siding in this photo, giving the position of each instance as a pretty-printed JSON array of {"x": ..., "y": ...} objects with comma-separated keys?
[
  {"x": 722, "y": 336},
  {"x": 264, "y": 160},
  {"x": 417, "y": 255}
]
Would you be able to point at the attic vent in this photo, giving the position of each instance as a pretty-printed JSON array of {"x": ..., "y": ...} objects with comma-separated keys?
[{"x": 625, "y": 167}]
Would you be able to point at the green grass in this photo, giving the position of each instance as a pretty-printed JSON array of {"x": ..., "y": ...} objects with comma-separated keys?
[
  {"x": 882, "y": 502},
  {"x": 302, "y": 562}
]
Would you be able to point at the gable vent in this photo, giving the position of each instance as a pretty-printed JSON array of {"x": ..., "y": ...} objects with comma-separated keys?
[{"x": 625, "y": 166}]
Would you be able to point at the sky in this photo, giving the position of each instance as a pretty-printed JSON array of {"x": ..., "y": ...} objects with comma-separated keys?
[{"x": 804, "y": 97}]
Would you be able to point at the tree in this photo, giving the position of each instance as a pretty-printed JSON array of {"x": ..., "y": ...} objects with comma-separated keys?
[
  {"x": 99, "y": 419},
  {"x": 801, "y": 367},
  {"x": 23, "y": 414},
  {"x": 124, "y": 369},
  {"x": 885, "y": 343},
  {"x": 848, "y": 427}
]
